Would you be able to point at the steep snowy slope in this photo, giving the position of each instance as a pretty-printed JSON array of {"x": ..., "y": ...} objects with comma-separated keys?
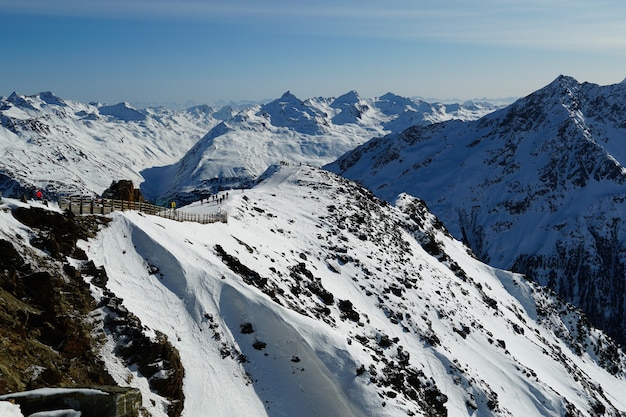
[
  {"x": 537, "y": 187},
  {"x": 315, "y": 131},
  {"x": 69, "y": 147},
  {"x": 316, "y": 298}
]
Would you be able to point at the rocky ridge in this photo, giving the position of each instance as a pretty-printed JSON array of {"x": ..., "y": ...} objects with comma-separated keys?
[
  {"x": 537, "y": 187},
  {"x": 380, "y": 297}
]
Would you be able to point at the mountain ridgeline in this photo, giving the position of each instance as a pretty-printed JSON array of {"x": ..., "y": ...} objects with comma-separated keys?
[
  {"x": 315, "y": 131},
  {"x": 537, "y": 187},
  {"x": 378, "y": 283},
  {"x": 67, "y": 147}
]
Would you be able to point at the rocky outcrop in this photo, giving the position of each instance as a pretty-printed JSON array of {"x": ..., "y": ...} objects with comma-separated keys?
[
  {"x": 123, "y": 190},
  {"x": 47, "y": 324},
  {"x": 46, "y": 339}
]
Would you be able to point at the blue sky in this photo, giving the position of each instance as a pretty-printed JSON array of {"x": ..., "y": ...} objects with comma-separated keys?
[{"x": 201, "y": 51}]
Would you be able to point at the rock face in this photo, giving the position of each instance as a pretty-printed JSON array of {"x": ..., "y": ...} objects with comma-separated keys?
[
  {"x": 91, "y": 402},
  {"x": 50, "y": 335},
  {"x": 123, "y": 190},
  {"x": 538, "y": 187},
  {"x": 46, "y": 339}
]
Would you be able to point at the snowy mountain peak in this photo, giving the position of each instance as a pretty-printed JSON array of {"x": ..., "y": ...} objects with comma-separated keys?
[
  {"x": 351, "y": 97},
  {"x": 49, "y": 98},
  {"x": 351, "y": 108},
  {"x": 20, "y": 101},
  {"x": 390, "y": 103},
  {"x": 565, "y": 80},
  {"x": 291, "y": 112},
  {"x": 533, "y": 187},
  {"x": 203, "y": 109},
  {"x": 563, "y": 89},
  {"x": 122, "y": 111},
  {"x": 35, "y": 102},
  {"x": 288, "y": 96}
]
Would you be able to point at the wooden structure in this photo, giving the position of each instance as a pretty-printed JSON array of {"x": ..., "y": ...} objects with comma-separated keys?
[{"x": 86, "y": 205}]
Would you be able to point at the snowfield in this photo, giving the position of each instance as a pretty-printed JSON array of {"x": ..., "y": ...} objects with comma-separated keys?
[{"x": 292, "y": 309}]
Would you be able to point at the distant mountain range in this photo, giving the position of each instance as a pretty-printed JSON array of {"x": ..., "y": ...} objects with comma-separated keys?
[
  {"x": 315, "y": 131},
  {"x": 66, "y": 147},
  {"x": 537, "y": 187}
]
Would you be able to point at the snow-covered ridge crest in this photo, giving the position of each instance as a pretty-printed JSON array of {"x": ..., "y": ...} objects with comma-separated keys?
[
  {"x": 318, "y": 298},
  {"x": 537, "y": 187}
]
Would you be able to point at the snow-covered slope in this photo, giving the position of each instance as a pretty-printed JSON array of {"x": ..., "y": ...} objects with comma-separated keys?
[
  {"x": 68, "y": 147},
  {"x": 316, "y": 298},
  {"x": 537, "y": 187},
  {"x": 315, "y": 131}
]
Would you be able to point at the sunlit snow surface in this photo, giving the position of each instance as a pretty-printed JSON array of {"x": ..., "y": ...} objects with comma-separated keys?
[{"x": 473, "y": 331}]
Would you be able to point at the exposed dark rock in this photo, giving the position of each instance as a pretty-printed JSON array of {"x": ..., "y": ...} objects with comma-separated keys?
[
  {"x": 246, "y": 328},
  {"x": 123, "y": 190},
  {"x": 44, "y": 304}
]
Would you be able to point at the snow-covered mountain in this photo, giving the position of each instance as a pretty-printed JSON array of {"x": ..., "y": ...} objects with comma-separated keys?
[
  {"x": 537, "y": 187},
  {"x": 314, "y": 131},
  {"x": 316, "y": 298},
  {"x": 65, "y": 147}
]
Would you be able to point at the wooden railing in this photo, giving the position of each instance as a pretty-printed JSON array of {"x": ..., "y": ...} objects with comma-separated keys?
[{"x": 86, "y": 205}]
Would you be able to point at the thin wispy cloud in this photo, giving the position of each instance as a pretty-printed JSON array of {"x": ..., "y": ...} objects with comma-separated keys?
[
  {"x": 542, "y": 24},
  {"x": 233, "y": 47}
]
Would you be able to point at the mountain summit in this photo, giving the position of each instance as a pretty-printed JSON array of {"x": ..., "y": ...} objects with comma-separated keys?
[{"x": 537, "y": 187}]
